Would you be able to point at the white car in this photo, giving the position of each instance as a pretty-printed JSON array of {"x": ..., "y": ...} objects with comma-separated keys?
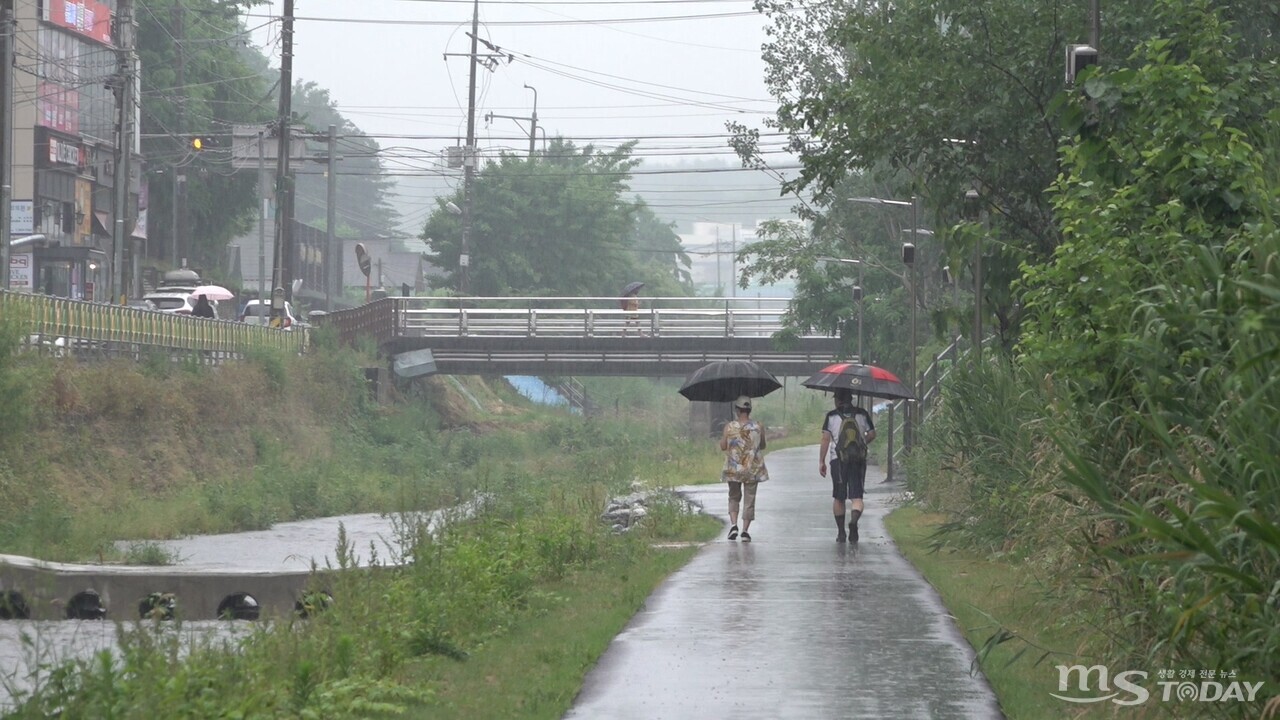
[
  {"x": 174, "y": 300},
  {"x": 256, "y": 312}
]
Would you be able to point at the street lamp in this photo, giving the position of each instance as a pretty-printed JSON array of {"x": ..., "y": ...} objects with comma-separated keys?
[
  {"x": 908, "y": 257},
  {"x": 973, "y": 211},
  {"x": 857, "y": 295}
]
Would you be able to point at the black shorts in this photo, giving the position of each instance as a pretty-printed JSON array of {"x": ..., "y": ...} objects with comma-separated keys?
[{"x": 847, "y": 481}]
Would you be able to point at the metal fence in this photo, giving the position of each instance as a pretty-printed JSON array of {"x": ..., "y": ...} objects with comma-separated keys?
[
  {"x": 588, "y": 317},
  {"x": 928, "y": 390},
  {"x": 75, "y": 327}
]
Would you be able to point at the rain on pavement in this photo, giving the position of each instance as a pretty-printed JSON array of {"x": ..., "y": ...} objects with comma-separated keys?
[{"x": 792, "y": 624}]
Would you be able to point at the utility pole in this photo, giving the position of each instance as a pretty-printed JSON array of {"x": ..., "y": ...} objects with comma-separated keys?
[
  {"x": 719, "y": 263},
  {"x": 1095, "y": 26},
  {"x": 533, "y": 121},
  {"x": 733, "y": 263},
  {"x": 262, "y": 219},
  {"x": 281, "y": 276},
  {"x": 469, "y": 155},
  {"x": 7, "y": 33},
  {"x": 124, "y": 151},
  {"x": 179, "y": 179},
  {"x": 332, "y": 253}
]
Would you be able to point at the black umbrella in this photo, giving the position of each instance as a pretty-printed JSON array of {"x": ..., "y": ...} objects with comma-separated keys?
[
  {"x": 725, "y": 380},
  {"x": 861, "y": 379},
  {"x": 631, "y": 288}
]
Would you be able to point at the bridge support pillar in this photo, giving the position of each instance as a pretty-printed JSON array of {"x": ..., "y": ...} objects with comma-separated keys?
[{"x": 709, "y": 418}]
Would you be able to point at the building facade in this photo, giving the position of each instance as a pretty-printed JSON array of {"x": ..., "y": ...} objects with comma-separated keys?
[{"x": 65, "y": 149}]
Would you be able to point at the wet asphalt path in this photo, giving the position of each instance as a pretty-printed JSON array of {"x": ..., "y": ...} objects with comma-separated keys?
[{"x": 791, "y": 625}]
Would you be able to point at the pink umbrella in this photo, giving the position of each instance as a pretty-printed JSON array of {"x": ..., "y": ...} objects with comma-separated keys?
[{"x": 213, "y": 292}]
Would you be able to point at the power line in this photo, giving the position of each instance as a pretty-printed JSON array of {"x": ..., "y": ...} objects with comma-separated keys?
[{"x": 521, "y": 23}]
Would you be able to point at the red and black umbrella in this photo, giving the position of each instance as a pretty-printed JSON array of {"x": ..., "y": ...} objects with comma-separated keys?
[{"x": 861, "y": 379}]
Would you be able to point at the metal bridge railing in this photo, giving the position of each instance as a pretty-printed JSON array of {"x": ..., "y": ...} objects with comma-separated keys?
[
  {"x": 76, "y": 326},
  {"x": 588, "y": 317},
  {"x": 928, "y": 390}
]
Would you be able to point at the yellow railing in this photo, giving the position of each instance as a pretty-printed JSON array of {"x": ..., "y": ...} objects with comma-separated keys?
[{"x": 76, "y": 323}]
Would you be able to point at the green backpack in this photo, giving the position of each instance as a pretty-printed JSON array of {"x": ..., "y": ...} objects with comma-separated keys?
[{"x": 851, "y": 445}]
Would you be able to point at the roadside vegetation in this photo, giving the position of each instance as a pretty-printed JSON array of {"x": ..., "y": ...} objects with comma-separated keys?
[
  {"x": 1127, "y": 450},
  {"x": 533, "y": 587},
  {"x": 1117, "y": 236}
]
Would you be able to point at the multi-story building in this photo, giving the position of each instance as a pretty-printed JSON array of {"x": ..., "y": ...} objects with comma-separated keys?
[{"x": 65, "y": 119}]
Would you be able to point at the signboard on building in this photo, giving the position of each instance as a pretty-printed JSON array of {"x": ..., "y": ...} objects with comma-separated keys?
[
  {"x": 61, "y": 151},
  {"x": 21, "y": 272},
  {"x": 22, "y": 217},
  {"x": 86, "y": 17},
  {"x": 58, "y": 108}
]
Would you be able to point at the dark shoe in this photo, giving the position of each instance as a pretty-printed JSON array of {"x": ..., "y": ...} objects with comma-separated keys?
[
  {"x": 841, "y": 537},
  {"x": 746, "y": 536},
  {"x": 733, "y": 533},
  {"x": 853, "y": 532}
]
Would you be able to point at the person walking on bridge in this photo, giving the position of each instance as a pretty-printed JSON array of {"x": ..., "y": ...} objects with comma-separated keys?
[
  {"x": 743, "y": 441},
  {"x": 848, "y": 476}
]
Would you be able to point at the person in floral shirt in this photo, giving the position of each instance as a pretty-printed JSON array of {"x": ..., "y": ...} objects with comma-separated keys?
[{"x": 742, "y": 442}]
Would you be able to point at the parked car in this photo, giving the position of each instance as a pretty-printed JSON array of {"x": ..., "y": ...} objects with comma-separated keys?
[
  {"x": 256, "y": 312},
  {"x": 174, "y": 300},
  {"x": 174, "y": 293}
]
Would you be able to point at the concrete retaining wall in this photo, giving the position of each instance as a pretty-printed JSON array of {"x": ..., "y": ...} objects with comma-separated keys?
[{"x": 46, "y": 588}]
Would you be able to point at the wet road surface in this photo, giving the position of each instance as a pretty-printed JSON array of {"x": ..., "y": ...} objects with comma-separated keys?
[{"x": 792, "y": 624}]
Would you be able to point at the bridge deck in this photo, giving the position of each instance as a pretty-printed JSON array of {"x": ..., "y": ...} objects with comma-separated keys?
[
  {"x": 637, "y": 356},
  {"x": 592, "y": 336}
]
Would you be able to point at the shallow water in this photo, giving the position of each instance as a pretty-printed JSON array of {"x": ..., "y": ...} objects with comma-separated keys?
[{"x": 31, "y": 649}]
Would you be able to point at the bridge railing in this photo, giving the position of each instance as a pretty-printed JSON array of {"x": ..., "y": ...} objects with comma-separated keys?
[
  {"x": 588, "y": 317},
  {"x": 68, "y": 326}
]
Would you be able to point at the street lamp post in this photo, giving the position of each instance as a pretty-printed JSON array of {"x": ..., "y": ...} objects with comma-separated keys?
[
  {"x": 973, "y": 208},
  {"x": 857, "y": 298},
  {"x": 908, "y": 257}
]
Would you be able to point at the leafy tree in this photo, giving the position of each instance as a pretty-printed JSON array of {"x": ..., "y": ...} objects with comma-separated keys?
[
  {"x": 557, "y": 223},
  {"x": 823, "y": 299},
  {"x": 1164, "y": 167},
  {"x": 660, "y": 258},
  {"x": 943, "y": 96},
  {"x": 223, "y": 83},
  {"x": 227, "y": 82}
]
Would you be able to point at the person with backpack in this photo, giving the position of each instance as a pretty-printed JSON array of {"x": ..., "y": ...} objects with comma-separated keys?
[
  {"x": 742, "y": 442},
  {"x": 846, "y": 430}
]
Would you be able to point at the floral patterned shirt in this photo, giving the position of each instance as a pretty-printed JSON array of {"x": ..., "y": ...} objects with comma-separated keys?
[{"x": 743, "y": 461}]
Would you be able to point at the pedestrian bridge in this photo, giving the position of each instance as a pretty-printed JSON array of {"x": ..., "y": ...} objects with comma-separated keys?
[{"x": 585, "y": 335}]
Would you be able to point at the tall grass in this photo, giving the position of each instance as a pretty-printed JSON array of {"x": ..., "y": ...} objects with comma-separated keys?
[
  {"x": 1200, "y": 550},
  {"x": 986, "y": 459},
  {"x": 1154, "y": 501},
  {"x": 458, "y": 591}
]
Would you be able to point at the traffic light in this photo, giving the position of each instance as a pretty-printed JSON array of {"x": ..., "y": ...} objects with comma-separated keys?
[{"x": 200, "y": 143}]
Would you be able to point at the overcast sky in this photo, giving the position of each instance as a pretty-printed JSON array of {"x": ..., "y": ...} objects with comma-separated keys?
[
  {"x": 600, "y": 74},
  {"x": 605, "y": 70}
]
